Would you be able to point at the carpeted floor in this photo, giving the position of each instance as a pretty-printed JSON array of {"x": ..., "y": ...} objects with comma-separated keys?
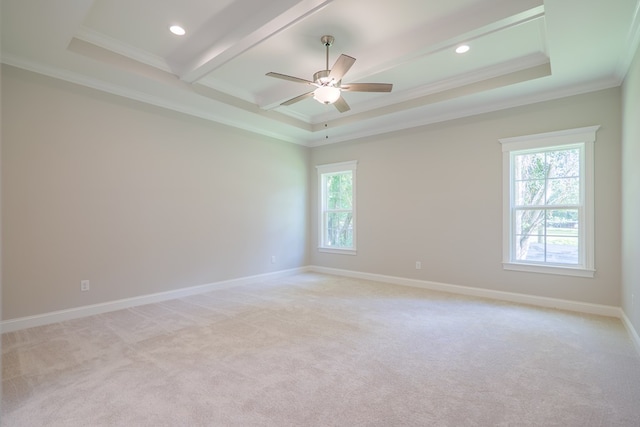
[{"x": 317, "y": 350}]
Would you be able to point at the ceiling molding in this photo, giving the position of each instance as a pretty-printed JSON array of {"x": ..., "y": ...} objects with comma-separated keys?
[
  {"x": 416, "y": 48},
  {"x": 311, "y": 141},
  {"x": 249, "y": 107},
  {"x": 524, "y": 51},
  {"x": 143, "y": 97},
  {"x": 90, "y": 36},
  {"x": 454, "y": 114},
  {"x": 399, "y": 98},
  {"x": 255, "y": 28},
  {"x": 633, "y": 44},
  {"x": 461, "y": 35},
  {"x": 446, "y": 95},
  {"x": 448, "y": 84}
]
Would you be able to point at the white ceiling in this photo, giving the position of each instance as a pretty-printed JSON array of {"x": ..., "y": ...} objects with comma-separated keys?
[{"x": 522, "y": 51}]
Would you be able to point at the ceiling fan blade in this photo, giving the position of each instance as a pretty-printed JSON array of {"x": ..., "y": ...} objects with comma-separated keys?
[
  {"x": 367, "y": 87},
  {"x": 341, "y": 67},
  {"x": 342, "y": 105},
  {"x": 298, "y": 98},
  {"x": 290, "y": 78}
]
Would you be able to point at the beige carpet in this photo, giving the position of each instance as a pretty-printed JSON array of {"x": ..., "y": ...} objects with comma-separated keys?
[{"x": 316, "y": 350}]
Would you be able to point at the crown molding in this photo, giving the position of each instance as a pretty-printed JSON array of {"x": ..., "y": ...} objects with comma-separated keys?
[
  {"x": 90, "y": 36},
  {"x": 482, "y": 108},
  {"x": 317, "y": 137},
  {"x": 454, "y": 82},
  {"x": 633, "y": 44},
  {"x": 113, "y": 89}
]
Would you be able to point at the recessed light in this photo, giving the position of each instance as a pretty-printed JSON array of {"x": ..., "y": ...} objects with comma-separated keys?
[
  {"x": 177, "y": 30},
  {"x": 463, "y": 48}
]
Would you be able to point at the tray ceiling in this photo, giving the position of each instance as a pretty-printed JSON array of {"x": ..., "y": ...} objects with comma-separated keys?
[{"x": 521, "y": 51}]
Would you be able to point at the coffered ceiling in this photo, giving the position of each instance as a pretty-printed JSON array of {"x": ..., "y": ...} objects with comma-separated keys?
[{"x": 521, "y": 51}]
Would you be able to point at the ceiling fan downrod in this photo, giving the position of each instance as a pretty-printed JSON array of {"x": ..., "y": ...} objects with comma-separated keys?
[{"x": 327, "y": 41}]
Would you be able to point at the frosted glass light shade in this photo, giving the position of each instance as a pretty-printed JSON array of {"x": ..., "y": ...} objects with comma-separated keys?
[{"x": 326, "y": 94}]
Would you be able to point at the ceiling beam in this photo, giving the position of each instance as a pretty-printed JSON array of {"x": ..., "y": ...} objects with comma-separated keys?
[{"x": 232, "y": 32}]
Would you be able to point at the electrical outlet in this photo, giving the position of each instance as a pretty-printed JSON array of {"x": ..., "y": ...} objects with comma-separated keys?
[
  {"x": 84, "y": 285},
  {"x": 273, "y": 259},
  {"x": 418, "y": 265}
]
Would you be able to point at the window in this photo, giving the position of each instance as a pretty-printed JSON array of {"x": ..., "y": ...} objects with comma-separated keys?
[
  {"x": 548, "y": 202},
  {"x": 337, "y": 212}
]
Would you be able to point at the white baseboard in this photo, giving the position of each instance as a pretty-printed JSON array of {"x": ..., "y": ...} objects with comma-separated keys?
[
  {"x": 632, "y": 331},
  {"x": 582, "y": 307},
  {"x": 89, "y": 310}
]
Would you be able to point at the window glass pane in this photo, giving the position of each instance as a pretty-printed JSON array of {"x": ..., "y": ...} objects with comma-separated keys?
[
  {"x": 562, "y": 230},
  {"x": 562, "y": 250},
  {"x": 530, "y": 192},
  {"x": 529, "y": 221},
  {"x": 562, "y": 222},
  {"x": 564, "y": 163},
  {"x": 339, "y": 229},
  {"x": 530, "y": 166},
  {"x": 563, "y": 191},
  {"x": 530, "y": 248},
  {"x": 339, "y": 191},
  {"x": 529, "y": 235},
  {"x": 346, "y": 190},
  {"x": 332, "y": 190}
]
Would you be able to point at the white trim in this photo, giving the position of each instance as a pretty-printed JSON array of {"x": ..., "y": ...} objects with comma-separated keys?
[
  {"x": 581, "y": 307},
  {"x": 549, "y": 269},
  {"x": 584, "y": 138},
  {"x": 633, "y": 41},
  {"x": 549, "y": 139},
  {"x": 335, "y": 168},
  {"x": 502, "y": 70},
  {"x": 311, "y": 139},
  {"x": 114, "y": 89},
  {"x": 633, "y": 334},
  {"x": 337, "y": 251},
  {"x": 103, "y": 41},
  {"x": 481, "y": 108},
  {"x": 90, "y": 310}
]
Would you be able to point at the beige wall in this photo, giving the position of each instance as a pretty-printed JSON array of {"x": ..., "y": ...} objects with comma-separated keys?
[
  {"x": 136, "y": 199},
  {"x": 631, "y": 194},
  {"x": 434, "y": 194},
  {"x": 141, "y": 200}
]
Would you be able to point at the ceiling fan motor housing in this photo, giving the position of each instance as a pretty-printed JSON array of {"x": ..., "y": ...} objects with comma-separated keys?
[{"x": 322, "y": 78}]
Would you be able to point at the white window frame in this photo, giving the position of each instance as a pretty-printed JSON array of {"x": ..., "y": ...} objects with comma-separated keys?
[
  {"x": 585, "y": 137},
  {"x": 334, "y": 168}
]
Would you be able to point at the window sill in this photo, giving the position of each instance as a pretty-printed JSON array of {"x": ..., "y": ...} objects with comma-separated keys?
[
  {"x": 337, "y": 251},
  {"x": 549, "y": 269}
]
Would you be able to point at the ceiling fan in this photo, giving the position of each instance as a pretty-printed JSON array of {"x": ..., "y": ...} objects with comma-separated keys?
[{"x": 328, "y": 82}]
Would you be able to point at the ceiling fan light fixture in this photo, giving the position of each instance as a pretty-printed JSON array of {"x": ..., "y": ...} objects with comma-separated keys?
[
  {"x": 328, "y": 82},
  {"x": 326, "y": 94}
]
